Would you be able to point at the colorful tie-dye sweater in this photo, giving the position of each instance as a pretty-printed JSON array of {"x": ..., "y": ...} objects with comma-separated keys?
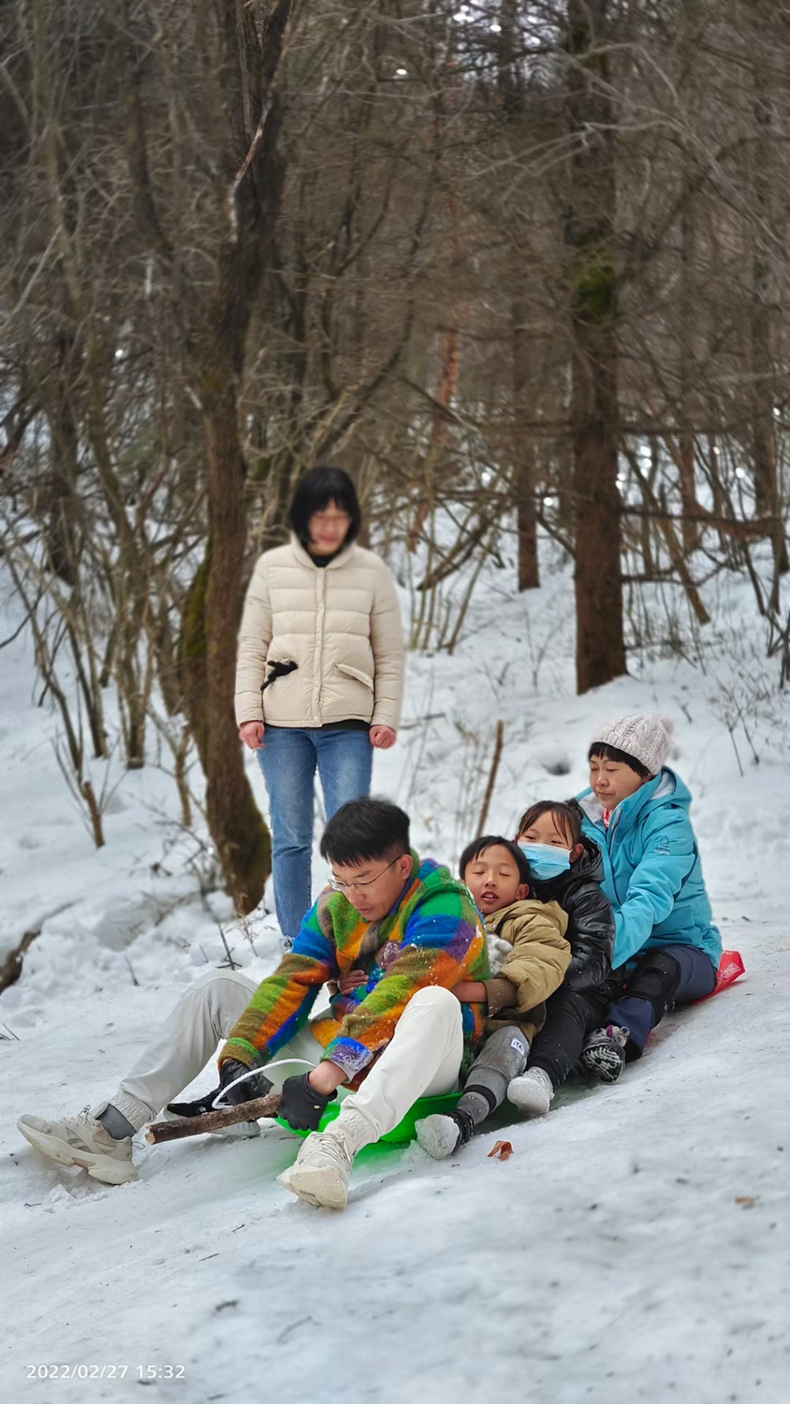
[{"x": 433, "y": 936}]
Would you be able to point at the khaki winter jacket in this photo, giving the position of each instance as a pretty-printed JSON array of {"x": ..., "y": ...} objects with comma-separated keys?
[
  {"x": 535, "y": 967},
  {"x": 340, "y": 623}
]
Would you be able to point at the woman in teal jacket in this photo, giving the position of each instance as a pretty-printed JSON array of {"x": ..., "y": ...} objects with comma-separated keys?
[{"x": 666, "y": 948}]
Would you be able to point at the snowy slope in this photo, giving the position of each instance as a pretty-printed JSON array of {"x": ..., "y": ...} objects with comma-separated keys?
[{"x": 636, "y": 1245}]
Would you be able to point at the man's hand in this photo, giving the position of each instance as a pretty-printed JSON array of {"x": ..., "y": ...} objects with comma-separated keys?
[
  {"x": 382, "y": 737},
  {"x": 254, "y": 1085},
  {"x": 251, "y": 734},
  {"x": 327, "y": 1077},
  {"x": 470, "y": 991},
  {"x": 302, "y": 1106},
  {"x": 348, "y": 982}
]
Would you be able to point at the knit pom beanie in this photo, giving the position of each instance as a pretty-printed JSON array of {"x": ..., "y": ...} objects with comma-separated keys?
[{"x": 647, "y": 739}]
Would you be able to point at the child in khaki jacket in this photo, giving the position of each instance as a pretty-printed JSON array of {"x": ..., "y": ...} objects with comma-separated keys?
[{"x": 527, "y": 940}]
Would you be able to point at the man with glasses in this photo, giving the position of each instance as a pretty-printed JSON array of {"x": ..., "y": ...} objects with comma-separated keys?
[{"x": 391, "y": 936}]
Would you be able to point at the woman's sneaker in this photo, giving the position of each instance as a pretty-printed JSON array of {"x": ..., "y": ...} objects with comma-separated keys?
[
  {"x": 82, "y": 1140},
  {"x": 603, "y": 1055},
  {"x": 531, "y": 1092}
]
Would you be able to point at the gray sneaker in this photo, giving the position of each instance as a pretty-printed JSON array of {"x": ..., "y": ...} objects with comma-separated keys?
[{"x": 82, "y": 1140}]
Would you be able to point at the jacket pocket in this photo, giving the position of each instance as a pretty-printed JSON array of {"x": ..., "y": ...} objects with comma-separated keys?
[{"x": 356, "y": 673}]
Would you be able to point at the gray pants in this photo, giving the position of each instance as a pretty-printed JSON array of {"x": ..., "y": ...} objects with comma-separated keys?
[{"x": 502, "y": 1057}]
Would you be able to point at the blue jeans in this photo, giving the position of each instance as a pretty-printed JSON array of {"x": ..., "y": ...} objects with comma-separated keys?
[
  {"x": 697, "y": 978},
  {"x": 288, "y": 760}
]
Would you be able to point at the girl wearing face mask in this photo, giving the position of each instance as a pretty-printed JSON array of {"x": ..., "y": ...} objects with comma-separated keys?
[{"x": 567, "y": 868}]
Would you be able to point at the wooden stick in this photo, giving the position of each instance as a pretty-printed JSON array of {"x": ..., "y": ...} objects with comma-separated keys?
[{"x": 161, "y": 1131}]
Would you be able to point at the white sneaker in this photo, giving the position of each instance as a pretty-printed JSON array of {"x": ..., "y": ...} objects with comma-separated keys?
[
  {"x": 532, "y": 1092},
  {"x": 319, "y": 1175},
  {"x": 82, "y": 1140},
  {"x": 241, "y": 1130},
  {"x": 438, "y": 1135},
  {"x": 442, "y": 1135}
]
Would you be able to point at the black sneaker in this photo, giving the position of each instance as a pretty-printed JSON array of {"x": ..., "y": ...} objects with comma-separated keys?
[{"x": 603, "y": 1055}]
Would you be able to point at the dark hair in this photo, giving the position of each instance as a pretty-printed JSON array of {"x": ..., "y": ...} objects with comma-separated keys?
[
  {"x": 364, "y": 829},
  {"x": 604, "y": 752},
  {"x": 314, "y": 491},
  {"x": 567, "y": 811},
  {"x": 479, "y": 845}
]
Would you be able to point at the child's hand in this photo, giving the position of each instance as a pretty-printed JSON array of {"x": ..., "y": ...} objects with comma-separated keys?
[
  {"x": 498, "y": 952},
  {"x": 352, "y": 978},
  {"x": 470, "y": 991}
]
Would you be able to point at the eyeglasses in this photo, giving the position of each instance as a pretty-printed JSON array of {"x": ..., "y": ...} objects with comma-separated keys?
[{"x": 358, "y": 886}]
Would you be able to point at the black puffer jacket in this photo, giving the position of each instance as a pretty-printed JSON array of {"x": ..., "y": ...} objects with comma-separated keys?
[{"x": 590, "y": 920}]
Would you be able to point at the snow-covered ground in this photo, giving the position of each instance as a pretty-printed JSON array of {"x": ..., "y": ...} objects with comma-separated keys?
[{"x": 635, "y": 1247}]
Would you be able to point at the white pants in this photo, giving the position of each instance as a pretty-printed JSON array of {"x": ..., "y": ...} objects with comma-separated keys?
[{"x": 423, "y": 1057}]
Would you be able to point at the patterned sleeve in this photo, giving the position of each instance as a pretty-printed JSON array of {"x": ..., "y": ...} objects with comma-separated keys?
[
  {"x": 282, "y": 1002},
  {"x": 443, "y": 943}
]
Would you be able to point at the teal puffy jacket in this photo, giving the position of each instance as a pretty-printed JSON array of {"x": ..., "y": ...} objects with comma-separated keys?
[{"x": 652, "y": 870}]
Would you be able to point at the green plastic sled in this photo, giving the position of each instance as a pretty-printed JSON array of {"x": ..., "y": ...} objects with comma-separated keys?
[{"x": 404, "y": 1131}]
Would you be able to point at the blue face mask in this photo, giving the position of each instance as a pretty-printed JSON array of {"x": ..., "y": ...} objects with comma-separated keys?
[{"x": 546, "y": 861}]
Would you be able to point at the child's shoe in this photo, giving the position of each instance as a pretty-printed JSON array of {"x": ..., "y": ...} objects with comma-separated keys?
[
  {"x": 442, "y": 1135},
  {"x": 603, "y": 1055},
  {"x": 531, "y": 1092}
]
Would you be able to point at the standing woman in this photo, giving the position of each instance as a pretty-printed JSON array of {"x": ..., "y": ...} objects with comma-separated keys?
[{"x": 319, "y": 678}]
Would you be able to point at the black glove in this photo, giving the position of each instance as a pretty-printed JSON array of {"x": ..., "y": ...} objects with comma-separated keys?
[
  {"x": 301, "y": 1107},
  {"x": 245, "y": 1092},
  {"x": 197, "y": 1108}
]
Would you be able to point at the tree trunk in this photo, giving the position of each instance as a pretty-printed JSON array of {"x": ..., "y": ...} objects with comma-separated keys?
[
  {"x": 59, "y": 535},
  {"x": 690, "y": 19},
  {"x": 524, "y": 456},
  {"x": 767, "y": 500},
  {"x": 686, "y": 443},
  {"x": 254, "y": 182},
  {"x": 600, "y": 646},
  {"x": 239, "y": 833}
]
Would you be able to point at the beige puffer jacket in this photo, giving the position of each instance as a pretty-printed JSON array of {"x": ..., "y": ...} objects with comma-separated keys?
[
  {"x": 340, "y": 623},
  {"x": 534, "y": 968}
]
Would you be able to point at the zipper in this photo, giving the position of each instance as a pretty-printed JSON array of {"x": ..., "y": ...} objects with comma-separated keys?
[{"x": 319, "y": 644}]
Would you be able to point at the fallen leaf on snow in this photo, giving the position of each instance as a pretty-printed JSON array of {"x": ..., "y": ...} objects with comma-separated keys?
[
  {"x": 502, "y": 1150},
  {"x": 746, "y": 1200}
]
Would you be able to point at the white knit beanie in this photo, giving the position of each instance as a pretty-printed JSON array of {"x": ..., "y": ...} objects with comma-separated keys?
[{"x": 647, "y": 739}]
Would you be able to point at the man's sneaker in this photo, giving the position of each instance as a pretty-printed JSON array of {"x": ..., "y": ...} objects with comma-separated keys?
[
  {"x": 531, "y": 1092},
  {"x": 82, "y": 1140},
  {"x": 442, "y": 1135},
  {"x": 319, "y": 1175},
  {"x": 603, "y": 1055}
]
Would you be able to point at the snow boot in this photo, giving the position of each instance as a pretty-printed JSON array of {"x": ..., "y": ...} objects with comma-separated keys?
[
  {"x": 441, "y": 1135},
  {"x": 82, "y": 1140},
  {"x": 603, "y": 1055},
  {"x": 532, "y": 1092}
]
